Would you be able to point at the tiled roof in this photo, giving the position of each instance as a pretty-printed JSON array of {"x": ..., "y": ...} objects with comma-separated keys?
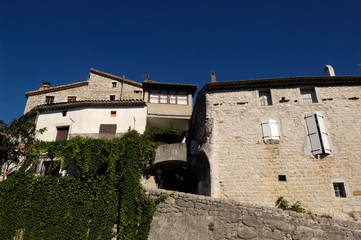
[
  {"x": 108, "y": 75},
  {"x": 285, "y": 82},
  {"x": 85, "y": 103},
  {"x": 55, "y": 89}
]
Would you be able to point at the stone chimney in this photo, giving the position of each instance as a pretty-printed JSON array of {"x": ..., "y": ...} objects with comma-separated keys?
[
  {"x": 44, "y": 85},
  {"x": 213, "y": 76},
  {"x": 329, "y": 72}
]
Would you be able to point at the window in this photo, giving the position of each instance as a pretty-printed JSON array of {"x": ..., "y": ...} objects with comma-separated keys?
[
  {"x": 64, "y": 113},
  {"x": 113, "y": 113},
  {"x": 154, "y": 97},
  {"x": 265, "y": 98},
  {"x": 107, "y": 128},
  {"x": 308, "y": 96},
  {"x": 282, "y": 178},
  {"x": 182, "y": 98},
  {"x": 172, "y": 97},
  {"x": 114, "y": 84},
  {"x": 317, "y": 134},
  {"x": 49, "y": 99},
  {"x": 71, "y": 98},
  {"x": 270, "y": 131},
  {"x": 112, "y": 97},
  {"x": 339, "y": 190},
  {"x": 62, "y": 133}
]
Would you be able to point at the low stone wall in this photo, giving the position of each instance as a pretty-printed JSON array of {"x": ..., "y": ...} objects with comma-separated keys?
[{"x": 188, "y": 216}]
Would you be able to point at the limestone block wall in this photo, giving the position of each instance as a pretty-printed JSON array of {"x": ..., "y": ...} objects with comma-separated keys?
[
  {"x": 245, "y": 169},
  {"x": 187, "y": 216}
]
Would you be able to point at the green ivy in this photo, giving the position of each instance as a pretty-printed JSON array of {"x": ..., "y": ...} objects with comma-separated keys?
[{"x": 106, "y": 192}]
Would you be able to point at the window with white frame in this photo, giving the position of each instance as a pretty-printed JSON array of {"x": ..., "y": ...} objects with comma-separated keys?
[
  {"x": 265, "y": 98},
  {"x": 163, "y": 97},
  {"x": 154, "y": 97},
  {"x": 172, "y": 97},
  {"x": 182, "y": 98},
  {"x": 317, "y": 134},
  {"x": 270, "y": 131},
  {"x": 308, "y": 95}
]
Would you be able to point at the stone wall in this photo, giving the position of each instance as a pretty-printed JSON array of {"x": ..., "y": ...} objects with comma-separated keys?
[
  {"x": 187, "y": 216},
  {"x": 244, "y": 168}
]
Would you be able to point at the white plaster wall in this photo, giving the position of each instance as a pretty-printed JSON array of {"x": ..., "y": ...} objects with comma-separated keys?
[{"x": 88, "y": 120}]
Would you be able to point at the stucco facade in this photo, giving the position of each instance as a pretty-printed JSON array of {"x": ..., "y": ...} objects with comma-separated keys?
[{"x": 227, "y": 124}]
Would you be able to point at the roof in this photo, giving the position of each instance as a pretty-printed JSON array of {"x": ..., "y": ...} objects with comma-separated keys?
[
  {"x": 55, "y": 89},
  {"x": 111, "y": 76},
  {"x": 170, "y": 86},
  {"x": 285, "y": 82},
  {"x": 85, "y": 103}
]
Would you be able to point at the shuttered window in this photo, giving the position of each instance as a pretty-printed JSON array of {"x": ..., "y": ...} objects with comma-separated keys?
[
  {"x": 107, "y": 128},
  {"x": 62, "y": 134},
  {"x": 317, "y": 134},
  {"x": 270, "y": 131}
]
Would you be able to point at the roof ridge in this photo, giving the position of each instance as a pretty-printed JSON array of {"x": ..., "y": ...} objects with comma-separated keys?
[
  {"x": 57, "y": 88},
  {"x": 104, "y": 74}
]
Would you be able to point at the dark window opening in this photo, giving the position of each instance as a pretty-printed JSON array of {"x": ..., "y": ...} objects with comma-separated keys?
[
  {"x": 282, "y": 178},
  {"x": 113, "y": 113},
  {"x": 64, "y": 113},
  {"x": 114, "y": 84},
  {"x": 49, "y": 99},
  {"x": 339, "y": 190},
  {"x": 265, "y": 98},
  {"x": 107, "y": 128},
  {"x": 62, "y": 133},
  {"x": 112, "y": 97},
  {"x": 308, "y": 96}
]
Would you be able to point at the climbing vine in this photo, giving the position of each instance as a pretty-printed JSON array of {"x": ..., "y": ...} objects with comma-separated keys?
[{"x": 102, "y": 199}]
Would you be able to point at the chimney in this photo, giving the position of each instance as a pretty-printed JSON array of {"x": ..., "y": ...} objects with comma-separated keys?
[
  {"x": 44, "y": 85},
  {"x": 213, "y": 76},
  {"x": 329, "y": 72}
]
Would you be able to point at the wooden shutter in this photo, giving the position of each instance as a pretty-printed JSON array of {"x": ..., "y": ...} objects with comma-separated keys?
[
  {"x": 62, "y": 134},
  {"x": 270, "y": 130},
  {"x": 323, "y": 133},
  {"x": 313, "y": 134},
  {"x": 107, "y": 128}
]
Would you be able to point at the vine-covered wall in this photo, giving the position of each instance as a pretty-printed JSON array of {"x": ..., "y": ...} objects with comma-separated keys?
[{"x": 103, "y": 200}]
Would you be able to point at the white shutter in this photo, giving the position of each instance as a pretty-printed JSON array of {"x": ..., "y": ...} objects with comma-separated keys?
[
  {"x": 324, "y": 134},
  {"x": 270, "y": 130},
  {"x": 313, "y": 133}
]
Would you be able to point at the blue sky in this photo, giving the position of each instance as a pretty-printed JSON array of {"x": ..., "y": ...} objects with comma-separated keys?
[{"x": 173, "y": 41}]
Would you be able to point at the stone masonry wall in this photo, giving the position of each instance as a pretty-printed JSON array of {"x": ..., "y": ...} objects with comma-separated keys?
[
  {"x": 187, "y": 216},
  {"x": 245, "y": 169}
]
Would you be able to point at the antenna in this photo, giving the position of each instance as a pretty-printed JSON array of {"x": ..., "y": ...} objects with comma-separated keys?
[{"x": 146, "y": 76}]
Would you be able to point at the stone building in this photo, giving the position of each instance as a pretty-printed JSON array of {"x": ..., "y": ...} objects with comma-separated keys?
[{"x": 299, "y": 137}]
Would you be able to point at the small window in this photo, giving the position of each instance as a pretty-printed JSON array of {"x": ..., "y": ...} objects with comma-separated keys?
[
  {"x": 49, "y": 99},
  {"x": 112, "y": 97},
  {"x": 154, "y": 97},
  {"x": 71, "y": 98},
  {"x": 64, "y": 113},
  {"x": 308, "y": 96},
  {"x": 182, "y": 98},
  {"x": 113, "y": 113},
  {"x": 114, "y": 84},
  {"x": 339, "y": 190},
  {"x": 163, "y": 97},
  {"x": 265, "y": 98},
  {"x": 282, "y": 178},
  {"x": 172, "y": 97},
  {"x": 62, "y": 133}
]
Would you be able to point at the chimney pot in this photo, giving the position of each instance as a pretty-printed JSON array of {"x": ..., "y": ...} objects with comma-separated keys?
[
  {"x": 329, "y": 72},
  {"x": 44, "y": 85}
]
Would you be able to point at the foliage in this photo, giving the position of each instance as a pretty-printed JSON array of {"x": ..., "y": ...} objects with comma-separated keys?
[
  {"x": 282, "y": 203},
  {"x": 167, "y": 135},
  {"x": 14, "y": 141},
  {"x": 106, "y": 191}
]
